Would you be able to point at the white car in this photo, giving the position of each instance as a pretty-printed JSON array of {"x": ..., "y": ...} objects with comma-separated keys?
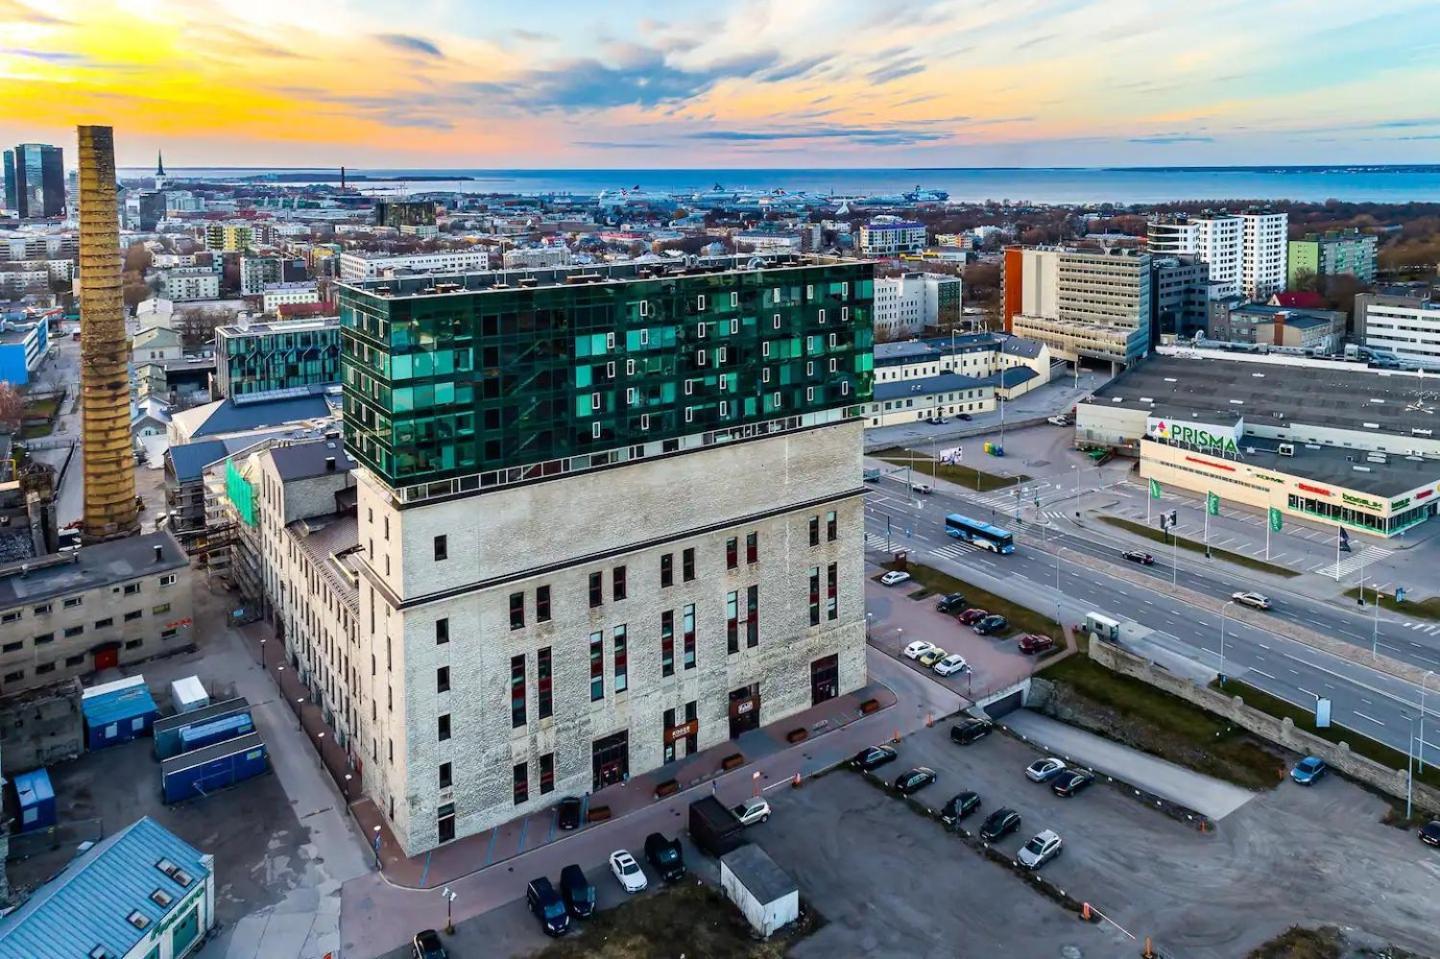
[
  {"x": 1253, "y": 600},
  {"x": 628, "y": 871},
  {"x": 752, "y": 811},
  {"x": 954, "y": 663},
  {"x": 1040, "y": 850},
  {"x": 918, "y": 648},
  {"x": 1044, "y": 770},
  {"x": 893, "y": 577}
]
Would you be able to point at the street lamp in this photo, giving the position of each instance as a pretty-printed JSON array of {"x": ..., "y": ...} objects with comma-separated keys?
[
  {"x": 375, "y": 845},
  {"x": 262, "y": 653},
  {"x": 1423, "y": 680},
  {"x": 449, "y": 921},
  {"x": 348, "y": 777},
  {"x": 1375, "y": 635},
  {"x": 1228, "y": 603}
]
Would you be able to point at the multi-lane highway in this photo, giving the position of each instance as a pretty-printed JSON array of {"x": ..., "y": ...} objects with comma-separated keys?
[{"x": 1373, "y": 703}]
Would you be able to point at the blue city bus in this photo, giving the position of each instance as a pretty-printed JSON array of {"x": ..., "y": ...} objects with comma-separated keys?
[{"x": 981, "y": 534}]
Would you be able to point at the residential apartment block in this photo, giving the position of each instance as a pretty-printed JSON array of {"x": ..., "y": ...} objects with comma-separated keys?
[
  {"x": 1333, "y": 254},
  {"x": 889, "y": 236},
  {"x": 276, "y": 355},
  {"x": 190, "y": 283},
  {"x": 276, "y": 295},
  {"x": 1244, "y": 251},
  {"x": 906, "y": 305},
  {"x": 355, "y": 267},
  {"x": 607, "y": 518}
]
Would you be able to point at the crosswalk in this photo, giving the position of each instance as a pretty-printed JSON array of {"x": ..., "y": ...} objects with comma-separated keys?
[
  {"x": 1429, "y": 629},
  {"x": 1353, "y": 562},
  {"x": 955, "y": 550}
]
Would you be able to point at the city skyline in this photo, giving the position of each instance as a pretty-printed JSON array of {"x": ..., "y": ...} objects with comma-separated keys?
[{"x": 435, "y": 84}]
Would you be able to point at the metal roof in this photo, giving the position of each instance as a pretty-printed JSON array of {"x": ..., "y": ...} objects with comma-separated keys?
[
  {"x": 89, "y": 903},
  {"x": 758, "y": 873},
  {"x": 926, "y": 386},
  {"x": 117, "y": 705},
  {"x": 199, "y": 757},
  {"x": 103, "y": 564},
  {"x": 229, "y": 707},
  {"x": 305, "y": 460}
]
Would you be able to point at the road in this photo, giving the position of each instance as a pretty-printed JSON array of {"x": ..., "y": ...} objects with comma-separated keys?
[{"x": 1370, "y": 702}]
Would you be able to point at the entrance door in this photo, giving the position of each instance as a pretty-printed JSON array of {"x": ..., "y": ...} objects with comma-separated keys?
[
  {"x": 824, "y": 679},
  {"x": 610, "y": 760},
  {"x": 744, "y": 709},
  {"x": 107, "y": 657},
  {"x": 185, "y": 933}
]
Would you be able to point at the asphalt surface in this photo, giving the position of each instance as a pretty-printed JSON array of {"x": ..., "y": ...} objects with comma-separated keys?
[{"x": 1373, "y": 703}]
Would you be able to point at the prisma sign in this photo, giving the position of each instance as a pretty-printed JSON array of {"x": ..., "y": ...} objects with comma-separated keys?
[{"x": 1203, "y": 436}]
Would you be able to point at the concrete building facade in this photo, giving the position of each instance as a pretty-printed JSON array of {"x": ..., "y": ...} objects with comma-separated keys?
[
  {"x": 190, "y": 283},
  {"x": 1323, "y": 255},
  {"x": 1245, "y": 251},
  {"x": 890, "y": 236},
  {"x": 906, "y": 305},
  {"x": 1407, "y": 327},
  {"x": 1080, "y": 303},
  {"x": 355, "y": 267}
]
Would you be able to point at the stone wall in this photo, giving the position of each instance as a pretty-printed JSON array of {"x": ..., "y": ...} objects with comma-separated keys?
[
  {"x": 1282, "y": 732},
  {"x": 41, "y": 726}
]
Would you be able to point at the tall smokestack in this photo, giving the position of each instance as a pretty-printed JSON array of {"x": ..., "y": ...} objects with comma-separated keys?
[
  {"x": 105, "y": 395},
  {"x": 342, "y": 178}
]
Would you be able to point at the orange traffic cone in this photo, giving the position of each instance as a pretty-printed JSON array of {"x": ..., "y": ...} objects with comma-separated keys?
[
  {"x": 1149, "y": 952},
  {"x": 1085, "y": 911},
  {"x": 929, "y": 719},
  {"x": 795, "y": 783}
]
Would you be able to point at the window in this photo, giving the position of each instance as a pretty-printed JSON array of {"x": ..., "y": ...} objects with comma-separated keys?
[
  {"x": 74, "y": 631},
  {"x": 75, "y": 660},
  {"x": 621, "y": 681},
  {"x": 442, "y": 631},
  {"x": 815, "y": 596},
  {"x": 687, "y": 626},
  {"x": 442, "y": 679},
  {"x": 517, "y": 691},
  {"x": 160, "y": 610},
  {"x": 44, "y": 638},
  {"x": 442, "y": 549},
  {"x": 687, "y": 562},
  {"x": 542, "y": 604},
  {"x": 133, "y": 643},
  {"x": 517, "y": 610},
  {"x": 814, "y": 531},
  {"x": 597, "y": 589},
  {"x": 42, "y": 610},
  {"x": 547, "y": 773},
  {"x": 74, "y": 601},
  {"x": 543, "y": 696},
  {"x": 133, "y": 615},
  {"x": 832, "y": 526},
  {"x": 667, "y": 570},
  {"x": 732, "y": 553},
  {"x": 522, "y": 783},
  {"x": 138, "y": 919},
  {"x": 732, "y": 622},
  {"x": 446, "y": 776},
  {"x": 597, "y": 666},
  {"x": 14, "y": 677},
  {"x": 443, "y": 727},
  {"x": 752, "y": 616},
  {"x": 752, "y": 547},
  {"x": 168, "y": 579},
  {"x": 161, "y": 898},
  {"x": 44, "y": 668},
  {"x": 12, "y": 647},
  {"x": 10, "y": 617},
  {"x": 105, "y": 623},
  {"x": 832, "y": 601},
  {"x": 617, "y": 582},
  {"x": 667, "y": 643}
]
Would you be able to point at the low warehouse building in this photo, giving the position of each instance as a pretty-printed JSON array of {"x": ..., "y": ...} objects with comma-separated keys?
[{"x": 763, "y": 892}]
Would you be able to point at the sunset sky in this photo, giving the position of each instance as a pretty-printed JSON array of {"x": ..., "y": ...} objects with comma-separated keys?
[{"x": 753, "y": 83}]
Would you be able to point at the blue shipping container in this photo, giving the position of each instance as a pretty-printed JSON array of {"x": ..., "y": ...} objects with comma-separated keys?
[
  {"x": 37, "y": 800},
  {"x": 118, "y": 716},
  {"x": 204, "y": 771},
  {"x": 167, "y": 730},
  {"x": 208, "y": 734}
]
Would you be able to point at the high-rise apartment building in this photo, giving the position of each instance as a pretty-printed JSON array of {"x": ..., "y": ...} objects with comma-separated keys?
[
  {"x": 35, "y": 180},
  {"x": 1332, "y": 254},
  {"x": 1245, "y": 252},
  {"x": 1080, "y": 303},
  {"x": 889, "y": 236},
  {"x": 608, "y": 516}
]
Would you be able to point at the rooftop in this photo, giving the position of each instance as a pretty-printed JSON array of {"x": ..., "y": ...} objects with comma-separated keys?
[
  {"x": 1385, "y": 476},
  {"x": 91, "y": 567},
  {"x": 281, "y": 326},
  {"x": 305, "y": 460},
  {"x": 758, "y": 873},
  {"x": 230, "y": 416},
  {"x": 927, "y": 386}
]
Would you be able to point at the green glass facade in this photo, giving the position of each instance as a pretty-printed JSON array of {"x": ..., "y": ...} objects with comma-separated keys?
[
  {"x": 273, "y": 357},
  {"x": 456, "y": 383}
]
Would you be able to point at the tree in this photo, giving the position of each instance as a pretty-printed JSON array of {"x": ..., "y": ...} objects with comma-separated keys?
[
  {"x": 1306, "y": 281},
  {"x": 134, "y": 290},
  {"x": 137, "y": 259},
  {"x": 12, "y": 407},
  {"x": 197, "y": 326}
]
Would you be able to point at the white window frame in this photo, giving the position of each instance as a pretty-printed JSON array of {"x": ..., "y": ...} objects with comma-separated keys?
[
  {"x": 724, "y": 408},
  {"x": 822, "y": 316},
  {"x": 645, "y": 336},
  {"x": 630, "y": 396},
  {"x": 644, "y": 421},
  {"x": 610, "y": 369},
  {"x": 609, "y": 341},
  {"x": 699, "y": 301},
  {"x": 689, "y": 414},
  {"x": 595, "y": 430},
  {"x": 721, "y": 354},
  {"x": 689, "y": 387},
  {"x": 594, "y": 401},
  {"x": 777, "y": 321},
  {"x": 765, "y": 348},
  {"x": 644, "y": 309},
  {"x": 834, "y": 364},
  {"x": 765, "y": 374},
  {"x": 776, "y": 398},
  {"x": 734, "y": 297},
  {"x": 734, "y": 326},
  {"x": 833, "y": 339},
  {"x": 809, "y": 394},
  {"x": 700, "y": 357},
  {"x": 629, "y": 367}
]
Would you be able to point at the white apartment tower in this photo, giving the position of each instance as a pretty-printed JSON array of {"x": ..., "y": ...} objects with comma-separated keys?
[{"x": 1245, "y": 251}]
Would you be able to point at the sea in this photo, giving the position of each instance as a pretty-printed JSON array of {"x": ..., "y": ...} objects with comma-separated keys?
[{"x": 1059, "y": 185}]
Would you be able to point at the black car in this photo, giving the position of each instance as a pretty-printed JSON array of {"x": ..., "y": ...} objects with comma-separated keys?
[
  {"x": 568, "y": 816},
  {"x": 934, "y": 420},
  {"x": 1136, "y": 556},
  {"x": 1071, "y": 781},
  {"x": 1430, "y": 833},
  {"x": 970, "y": 730},
  {"x": 999, "y": 824},
  {"x": 666, "y": 856},
  {"x": 548, "y": 907},
  {"x": 959, "y": 807},
  {"x": 426, "y": 945},
  {"x": 991, "y": 624},
  {"x": 874, "y": 757},
  {"x": 950, "y": 603},
  {"x": 576, "y": 890},
  {"x": 915, "y": 780},
  {"x": 963, "y": 416}
]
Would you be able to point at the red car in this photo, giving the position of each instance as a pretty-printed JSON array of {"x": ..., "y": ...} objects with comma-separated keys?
[
  {"x": 1034, "y": 643},
  {"x": 972, "y": 616}
]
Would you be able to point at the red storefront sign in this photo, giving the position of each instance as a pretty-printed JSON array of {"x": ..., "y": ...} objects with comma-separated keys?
[
  {"x": 1213, "y": 466},
  {"x": 1318, "y": 490}
]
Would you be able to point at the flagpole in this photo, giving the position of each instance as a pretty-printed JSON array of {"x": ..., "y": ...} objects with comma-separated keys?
[
  {"x": 1267, "y": 537},
  {"x": 1337, "y": 553}
]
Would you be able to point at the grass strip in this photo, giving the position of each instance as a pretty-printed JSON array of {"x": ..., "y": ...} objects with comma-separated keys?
[
  {"x": 1428, "y": 608},
  {"x": 1195, "y": 546},
  {"x": 1022, "y": 619},
  {"x": 969, "y": 477}
]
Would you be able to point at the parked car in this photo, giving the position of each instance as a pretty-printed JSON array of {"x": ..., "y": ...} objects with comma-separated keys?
[
  {"x": 873, "y": 758},
  {"x": 1251, "y": 599},
  {"x": 950, "y": 603},
  {"x": 954, "y": 663},
  {"x": 934, "y": 420},
  {"x": 991, "y": 625},
  {"x": 1430, "y": 833},
  {"x": 568, "y": 814},
  {"x": 752, "y": 811},
  {"x": 1044, "y": 770},
  {"x": 972, "y": 616},
  {"x": 1042, "y": 848},
  {"x": 577, "y": 891},
  {"x": 918, "y": 648},
  {"x": 627, "y": 871},
  {"x": 548, "y": 907},
  {"x": 931, "y": 656},
  {"x": 924, "y": 489},
  {"x": 914, "y": 780},
  {"x": 1137, "y": 556},
  {"x": 969, "y": 731},
  {"x": 1071, "y": 781},
  {"x": 666, "y": 856},
  {"x": 894, "y": 577},
  {"x": 1032, "y": 644},
  {"x": 999, "y": 824},
  {"x": 427, "y": 945},
  {"x": 1308, "y": 770},
  {"x": 963, "y": 416},
  {"x": 1059, "y": 419},
  {"x": 958, "y": 807}
]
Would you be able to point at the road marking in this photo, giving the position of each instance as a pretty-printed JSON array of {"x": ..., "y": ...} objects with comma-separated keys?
[
  {"x": 1261, "y": 672},
  {"x": 1371, "y": 718},
  {"x": 1262, "y": 645},
  {"x": 1366, "y": 701},
  {"x": 1305, "y": 691}
]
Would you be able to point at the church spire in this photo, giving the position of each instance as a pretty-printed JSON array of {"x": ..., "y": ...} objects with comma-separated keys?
[{"x": 159, "y": 163}]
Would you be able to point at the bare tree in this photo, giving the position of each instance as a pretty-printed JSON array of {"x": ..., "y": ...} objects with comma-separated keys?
[
  {"x": 197, "y": 326},
  {"x": 12, "y": 407}
]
